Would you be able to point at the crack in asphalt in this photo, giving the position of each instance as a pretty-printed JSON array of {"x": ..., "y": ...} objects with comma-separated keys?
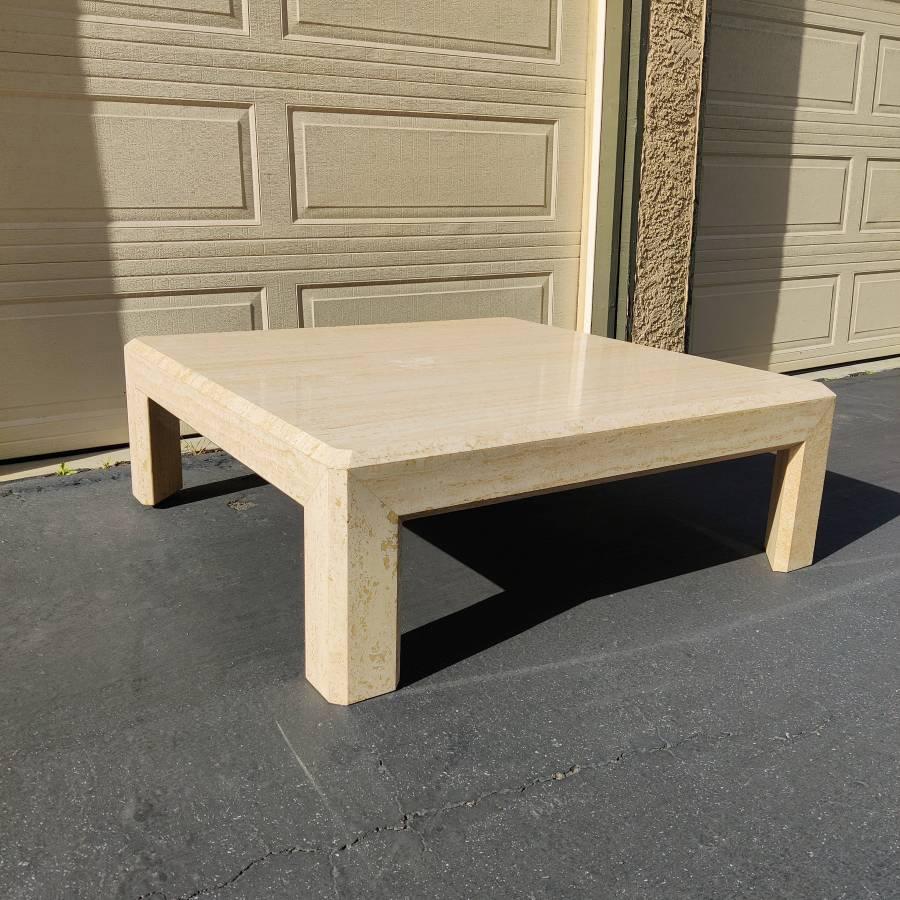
[
  {"x": 790, "y": 737},
  {"x": 404, "y": 823},
  {"x": 205, "y": 892}
]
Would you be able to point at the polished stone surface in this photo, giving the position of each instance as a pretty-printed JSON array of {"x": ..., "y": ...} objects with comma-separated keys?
[
  {"x": 365, "y": 425},
  {"x": 606, "y": 693},
  {"x": 360, "y": 395}
]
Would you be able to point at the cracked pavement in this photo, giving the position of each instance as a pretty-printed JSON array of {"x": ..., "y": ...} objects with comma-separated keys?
[{"x": 606, "y": 693}]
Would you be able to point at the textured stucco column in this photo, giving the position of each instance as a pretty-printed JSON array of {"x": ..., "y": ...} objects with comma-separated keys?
[{"x": 672, "y": 86}]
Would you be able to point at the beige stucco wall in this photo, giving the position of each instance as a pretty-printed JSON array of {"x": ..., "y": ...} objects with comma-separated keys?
[{"x": 668, "y": 171}]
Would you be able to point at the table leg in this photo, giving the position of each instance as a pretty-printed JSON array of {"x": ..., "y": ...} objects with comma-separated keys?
[
  {"x": 350, "y": 549},
  {"x": 155, "y": 440},
  {"x": 796, "y": 499}
]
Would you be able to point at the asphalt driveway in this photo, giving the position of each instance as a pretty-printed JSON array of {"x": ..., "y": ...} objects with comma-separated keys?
[{"x": 606, "y": 694}]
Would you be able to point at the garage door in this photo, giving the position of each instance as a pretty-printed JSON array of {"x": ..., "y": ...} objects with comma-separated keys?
[
  {"x": 213, "y": 165},
  {"x": 798, "y": 252}
]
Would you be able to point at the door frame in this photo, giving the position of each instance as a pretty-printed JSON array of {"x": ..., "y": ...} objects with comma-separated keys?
[{"x": 612, "y": 155}]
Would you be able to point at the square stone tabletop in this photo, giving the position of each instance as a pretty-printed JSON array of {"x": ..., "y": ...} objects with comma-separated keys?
[
  {"x": 359, "y": 395},
  {"x": 365, "y": 425}
]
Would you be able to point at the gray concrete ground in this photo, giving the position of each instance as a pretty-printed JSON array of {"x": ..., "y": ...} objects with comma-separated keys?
[{"x": 606, "y": 693}]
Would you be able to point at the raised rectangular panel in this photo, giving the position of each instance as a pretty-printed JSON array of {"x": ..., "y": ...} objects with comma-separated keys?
[
  {"x": 766, "y": 61},
  {"x": 517, "y": 28},
  {"x": 517, "y": 296},
  {"x": 61, "y": 360},
  {"x": 124, "y": 161},
  {"x": 191, "y": 15},
  {"x": 887, "y": 78},
  {"x": 773, "y": 193},
  {"x": 759, "y": 317},
  {"x": 384, "y": 165},
  {"x": 876, "y": 306},
  {"x": 881, "y": 202}
]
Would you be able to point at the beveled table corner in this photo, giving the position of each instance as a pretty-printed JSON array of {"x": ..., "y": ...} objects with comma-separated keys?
[{"x": 366, "y": 425}]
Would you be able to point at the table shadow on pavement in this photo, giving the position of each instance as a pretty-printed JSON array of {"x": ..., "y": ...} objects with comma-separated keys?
[{"x": 551, "y": 553}]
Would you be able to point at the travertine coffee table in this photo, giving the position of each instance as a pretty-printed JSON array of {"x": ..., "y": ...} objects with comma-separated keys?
[{"x": 365, "y": 425}]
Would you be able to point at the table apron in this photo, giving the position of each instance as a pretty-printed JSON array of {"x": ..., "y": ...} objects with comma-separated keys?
[{"x": 466, "y": 479}]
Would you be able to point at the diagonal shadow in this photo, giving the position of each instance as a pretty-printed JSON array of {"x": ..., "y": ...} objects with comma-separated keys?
[
  {"x": 549, "y": 554},
  {"x": 212, "y": 489}
]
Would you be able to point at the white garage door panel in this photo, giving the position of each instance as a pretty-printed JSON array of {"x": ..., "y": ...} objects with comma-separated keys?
[
  {"x": 394, "y": 166},
  {"x": 93, "y": 159},
  {"x": 800, "y": 184},
  {"x": 519, "y": 296},
  {"x": 876, "y": 309},
  {"x": 201, "y": 165},
  {"x": 496, "y": 27},
  {"x": 795, "y": 313},
  {"x": 80, "y": 341},
  {"x": 881, "y": 206},
  {"x": 758, "y": 193},
  {"x": 773, "y": 61},
  {"x": 201, "y": 15}
]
